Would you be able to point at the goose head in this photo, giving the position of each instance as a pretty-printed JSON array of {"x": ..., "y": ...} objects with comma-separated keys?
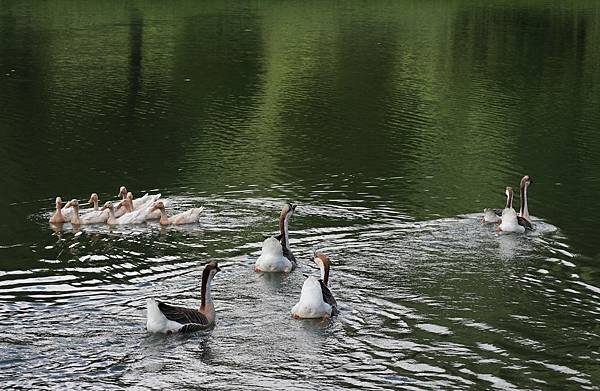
[
  {"x": 287, "y": 211},
  {"x": 58, "y": 202},
  {"x": 157, "y": 205},
  {"x": 526, "y": 181},
  {"x": 72, "y": 204},
  {"x": 94, "y": 200},
  {"x": 122, "y": 192},
  {"x": 125, "y": 203},
  {"x": 211, "y": 269},
  {"x": 108, "y": 205}
]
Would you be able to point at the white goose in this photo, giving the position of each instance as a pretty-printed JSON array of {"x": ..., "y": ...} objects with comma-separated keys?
[
  {"x": 168, "y": 319},
  {"x": 316, "y": 300},
  {"x": 188, "y": 217},
  {"x": 93, "y": 217},
  {"x": 135, "y": 217},
  {"x": 276, "y": 255},
  {"x": 58, "y": 217},
  {"x": 94, "y": 201},
  {"x": 510, "y": 223}
]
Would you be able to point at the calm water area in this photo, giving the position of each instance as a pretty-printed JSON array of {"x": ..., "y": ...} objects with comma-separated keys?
[{"x": 392, "y": 125}]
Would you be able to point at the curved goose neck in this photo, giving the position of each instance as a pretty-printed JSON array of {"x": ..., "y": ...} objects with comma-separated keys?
[{"x": 95, "y": 204}]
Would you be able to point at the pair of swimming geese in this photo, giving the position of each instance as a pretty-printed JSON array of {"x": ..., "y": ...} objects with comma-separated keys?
[
  {"x": 127, "y": 211},
  {"x": 507, "y": 219},
  {"x": 316, "y": 300}
]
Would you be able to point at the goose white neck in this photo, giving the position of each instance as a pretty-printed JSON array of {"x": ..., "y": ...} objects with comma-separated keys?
[
  {"x": 324, "y": 272},
  {"x": 509, "y": 200},
  {"x": 206, "y": 301}
]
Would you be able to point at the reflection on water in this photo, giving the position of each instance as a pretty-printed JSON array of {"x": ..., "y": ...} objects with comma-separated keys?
[{"x": 390, "y": 125}]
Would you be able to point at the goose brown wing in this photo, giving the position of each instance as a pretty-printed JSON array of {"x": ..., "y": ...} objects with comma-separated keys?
[
  {"x": 328, "y": 298},
  {"x": 183, "y": 315},
  {"x": 525, "y": 223}
]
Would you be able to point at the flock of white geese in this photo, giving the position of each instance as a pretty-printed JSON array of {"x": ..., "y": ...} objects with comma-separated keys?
[
  {"x": 316, "y": 300},
  {"x": 127, "y": 211}
]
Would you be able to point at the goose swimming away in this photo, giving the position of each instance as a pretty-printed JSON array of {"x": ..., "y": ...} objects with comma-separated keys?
[
  {"x": 135, "y": 217},
  {"x": 276, "y": 255},
  {"x": 58, "y": 217},
  {"x": 316, "y": 300},
  {"x": 168, "y": 319},
  {"x": 93, "y": 217},
  {"x": 188, "y": 217},
  {"x": 510, "y": 222},
  {"x": 524, "y": 218}
]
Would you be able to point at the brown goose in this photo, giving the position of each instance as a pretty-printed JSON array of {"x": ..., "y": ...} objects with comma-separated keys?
[{"x": 168, "y": 319}]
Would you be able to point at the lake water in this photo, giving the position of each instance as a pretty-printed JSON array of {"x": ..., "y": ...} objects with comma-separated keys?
[{"x": 390, "y": 124}]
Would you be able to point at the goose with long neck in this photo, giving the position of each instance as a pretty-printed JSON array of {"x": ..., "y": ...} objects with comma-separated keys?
[
  {"x": 58, "y": 217},
  {"x": 93, "y": 217},
  {"x": 168, "y": 319},
  {"x": 188, "y": 217},
  {"x": 510, "y": 222},
  {"x": 276, "y": 255},
  {"x": 94, "y": 201},
  {"x": 122, "y": 192},
  {"x": 524, "y": 212},
  {"x": 316, "y": 300}
]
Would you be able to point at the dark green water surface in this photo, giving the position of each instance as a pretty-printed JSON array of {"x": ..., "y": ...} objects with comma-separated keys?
[{"x": 391, "y": 124}]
